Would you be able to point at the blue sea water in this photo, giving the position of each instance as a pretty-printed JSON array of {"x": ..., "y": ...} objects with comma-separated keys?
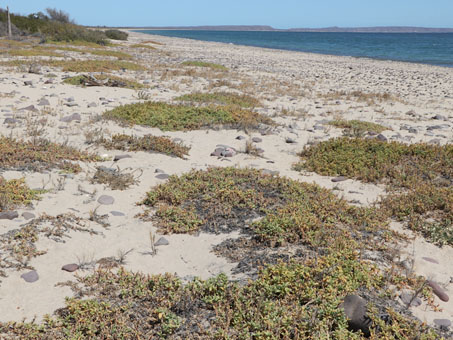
[{"x": 426, "y": 48}]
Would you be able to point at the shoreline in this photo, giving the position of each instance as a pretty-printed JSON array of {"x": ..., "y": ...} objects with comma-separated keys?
[
  {"x": 302, "y": 92},
  {"x": 299, "y": 51}
]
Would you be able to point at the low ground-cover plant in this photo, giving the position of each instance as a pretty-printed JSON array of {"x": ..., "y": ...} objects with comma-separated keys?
[
  {"x": 15, "y": 193},
  {"x": 116, "y": 34},
  {"x": 104, "y": 80},
  {"x": 170, "y": 117},
  {"x": 92, "y": 65},
  {"x": 222, "y": 98},
  {"x": 419, "y": 177},
  {"x": 40, "y": 155},
  {"x": 204, "y": 64},
  {"x": 357, "y": 127},
  {"x": 146, "y": 143},
  {"x": 143, "y": 46},
  {"x": 30, "y": 53}
]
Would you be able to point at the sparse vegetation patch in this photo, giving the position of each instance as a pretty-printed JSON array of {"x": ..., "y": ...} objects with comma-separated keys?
[
  {"x": 147, "y": 143},
  {"x": 205, "y": 64},
  {"x": 357, "y": 127},
  {"x": 15, "y": 193},
  {"x": 169, "y": 117},
  {"x": 103, "y": 80},
  {"x": 221, "y": 98}
]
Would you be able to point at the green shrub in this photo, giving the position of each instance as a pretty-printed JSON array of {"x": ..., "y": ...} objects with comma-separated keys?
[
  {"x": 221, "y": 98},
  {"x": 116, "y": 35}
]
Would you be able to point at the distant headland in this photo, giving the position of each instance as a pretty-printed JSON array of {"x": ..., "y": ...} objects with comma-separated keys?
[{"x": 375, "y": 29}]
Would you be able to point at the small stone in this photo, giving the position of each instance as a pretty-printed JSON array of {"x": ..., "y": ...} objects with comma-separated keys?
[
  {"x": 44, "y": 102},
  {"x": 34, "y": 68},
  {"x": 290, "y": 140},
  {"x": 407, "y": 297},
  {"x": 119, "y": 157},
  {"x": 162, "y": 242},
  {"x": 71, "y": 104},
  {"x": 442, "y": 322},
  {"x": 217, "y": 152},
  {"x": 159, "y": 171},
  {"x": 70, "y": 118},
  {"x": 29, "y": 108},
  {"x": 106, "y": 200},
  {"x": 162, "y": 176},
  {"x": 70, "y": 99},
  {"x": 28, "y": 82},
  {"x": 30, "y": 277},
  {"x": 72, "y": 267},
  {"x": 92, "y": 104},
  {"x": 257, "y": 139},
  {"x": 429, "y": 259},
  {"x": 355, "y": 309},
  {"x": 8, "y": 215},
  {"x": 439, "y": 117},
  {"x": 117, "y": 213},
  {"x": 381, "y": 137},
  {"x": 10, "y": 121},
  {"x": 339, "y": 179},
  {"x": 240, "y": 137},
  {"x": 228, "y": 152},
  {"x": 438, "y": 291},
  {"x": 413, "y": 130},
  {"x": 28, "y": 215}
]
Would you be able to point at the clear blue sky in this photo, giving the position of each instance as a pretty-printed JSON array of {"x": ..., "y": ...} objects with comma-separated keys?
[{"x": 277, "y": 13}]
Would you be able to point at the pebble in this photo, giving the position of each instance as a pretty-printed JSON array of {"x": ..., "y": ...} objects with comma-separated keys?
[
  {"x": 29, "y": 108},
  {"x": 71, "y": 104},
  {"x": 257, "y": 139},
  {"x": 117, "y": 213},
  {"x": 10, "y": 121},
  {"x": 429, "y": 259},
  {"x": 290, "y": 140},
  {"x": 28, "y": 83},
  {"x": 438, "y": 291},
  {"x": 8, "y": 215},
  {"x": 44, "y": 102},
  {"x": 381, "y": 137},
  {"x": 406, "y": 297},
  {"x": 159, "y": 171},
  {"x": 439, "y": 117},
  {"x": 162, "y": 242},
  {"x": 240, "y": 137},
  {"x": 30, "y": 277},
  {"x": 118, "y": 157},
  {"x": 106, "y": 200},
  {"x": 70, "y": 118},
  {"x": 72, "y": 267},
  {"x": 442, "y": 322},
  {"x": 355, "y": 309},
  {"x": 92, "y": 104},
  {"x": 162, "y": 176},
  {"x": 28, "y": 215},
  {"x": 339, "y": 179}
]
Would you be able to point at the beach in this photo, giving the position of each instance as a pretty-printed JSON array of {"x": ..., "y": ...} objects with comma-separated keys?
[{"x": 300, "y": 92}]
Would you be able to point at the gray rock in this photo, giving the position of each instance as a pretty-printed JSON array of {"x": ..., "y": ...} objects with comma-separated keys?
[
  {"x": 438, "y": 291},
  {"x": 407, "y": 297},
  {"x": 355, "y": 309},
  {"x": 29, "y": 108},
  {"x": 162, "y": 242},
  {"x": 217, "y": 152},
  {"x": 106, "y": 200},
  {"x": 8, "y": 215},
  {"x": 28, "y": 215},
  {"x": 119, "y": 157},
  {"x": 72, "y": 267},
  {"x": 429, "y": 259},
  {"x": 30, "y": 277},
  {"x": 70, "y": 118},
  {"x": 290, "y": 140},
  {"x": 162, "y": 176},
  {"x": 257, "y": 139},
  {"x": 159, "y": 171},
  {"x": 381, "y": 137},
  {"x": 339, "y": 179},
  {"x": 117, "y": 213},
  {"x": 10, "y": 121},
  {"x": 240, "y": 137},
  {"x": 28, "y": 82},
  {"x": 442, "y": 322},
  {"x": 71, "y": 104},
  {"x": 228, "y": 152},
  {"x": 92, "y": 104},
  {"x": 439, "y": 117},
  {"x": 70, "y": 99},
  {"x": 34, "y": 68},
  {"x": 44, "y": 102},
  {"x": 412, "y": 130}
]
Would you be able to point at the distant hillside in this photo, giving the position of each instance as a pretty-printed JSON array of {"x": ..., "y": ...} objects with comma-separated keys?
[{"x": 377, "y": 29}]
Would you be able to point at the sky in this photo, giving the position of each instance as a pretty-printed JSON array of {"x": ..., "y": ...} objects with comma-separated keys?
[{"x": 276, "y": 13}]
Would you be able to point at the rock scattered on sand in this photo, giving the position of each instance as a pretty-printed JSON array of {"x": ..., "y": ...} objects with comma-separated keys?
[
  {"x": 442, "y": 322},
  {"x": 29, "y": 108},
  {"x": 8, "y": 215},
  {"x": 289, "y": 140},
  {"x": 355, "y": 309},
  {"x": 438, "y": 291},
  {"x": 43, "y": 102},
  {"x": 70, "y": 118},
  {"x": 92, "y": 104},
  {"x": 439, "y": 117},
  {"x": 72, "y": 267},
  {"x": 408, "y": 298},
  {"x": 223, "y": 151},
  {"x": 381, "y": 137},
  {"x": 10, "y": 121},
  {"x": 106, "y": 200},
  {"x": 28, "y": 215},
  {"x": 429, "y": 259},
  {"x": 117, "y": 213},
  {"x": 162, "y": 176},
  {"x": 257, "y": 139},
  {"x": 162, "y": 242},
  {"x": 30, "y": 277},
  {"x": 240, "y": 137},
  {"x": 339, "y": 179},
  {"x": 28, "y": 83},
  {"x": 119, "y": 157}
]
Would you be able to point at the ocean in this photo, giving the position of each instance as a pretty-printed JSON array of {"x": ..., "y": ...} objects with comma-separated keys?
[{"x": 426, "y": 48}]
